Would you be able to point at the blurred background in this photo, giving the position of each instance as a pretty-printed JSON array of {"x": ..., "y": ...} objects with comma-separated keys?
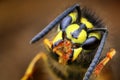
[{"x": 20, "y": 20}]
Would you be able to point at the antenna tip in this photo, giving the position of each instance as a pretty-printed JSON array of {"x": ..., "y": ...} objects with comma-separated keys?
[{"x": 32, "y": 41}]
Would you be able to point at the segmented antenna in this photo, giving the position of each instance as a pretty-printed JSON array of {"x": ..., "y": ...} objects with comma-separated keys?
[
  {"x": 96, "y": 57},
  {"x": 56, "y": 21}
]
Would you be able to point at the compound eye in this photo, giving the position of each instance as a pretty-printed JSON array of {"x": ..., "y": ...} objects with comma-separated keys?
[{"x": 75, "y": 45}]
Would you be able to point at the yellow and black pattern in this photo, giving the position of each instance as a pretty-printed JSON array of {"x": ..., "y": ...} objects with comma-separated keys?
[
  {"x": 79, "y": 41},
  {"x": 83, "y": 43},
  {"x": 77, "y": 33}
]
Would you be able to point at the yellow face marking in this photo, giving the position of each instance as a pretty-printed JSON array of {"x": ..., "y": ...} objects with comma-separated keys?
[
  {"x": 70, "y": 29},
  {"x": 95, "y": 34},
  {"x": 73, "y": 15},
  {"x": 76, "y": 53},
  {"x": 81, "y": 37},
  {"x": 87, "y": 23},
  {"x": 58, "y": 37}
]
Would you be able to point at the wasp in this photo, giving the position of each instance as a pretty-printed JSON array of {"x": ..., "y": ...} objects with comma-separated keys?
[{"x": 76, "y": 48}]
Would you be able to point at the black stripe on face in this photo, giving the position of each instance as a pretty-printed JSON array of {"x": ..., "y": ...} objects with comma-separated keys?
[{"x": 76, "y": 32}]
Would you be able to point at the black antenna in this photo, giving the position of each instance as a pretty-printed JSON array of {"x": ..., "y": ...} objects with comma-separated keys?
[
  {"x": 54, "y": 22},
  {"x": 98, "y": 54}
]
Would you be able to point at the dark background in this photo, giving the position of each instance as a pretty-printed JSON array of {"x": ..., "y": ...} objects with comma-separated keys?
[{"x": 21, "y": 20}]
